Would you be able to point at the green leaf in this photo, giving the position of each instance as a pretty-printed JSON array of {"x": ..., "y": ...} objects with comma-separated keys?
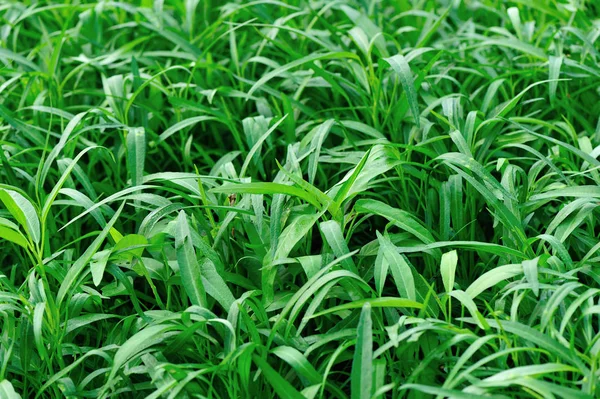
[
  {"x": 6, "y": 54},
  {"x": 256, "y": 147},
  {"x": 267, "y": 188},
  {"x": 136, "y": 154},
  {"x": 549, "y": 389},
  {"x": 304, "y": 60},
  {"x": 38, "y": 326},
  {"x": 526, "y": 371},
  {"x": 448, "y": 269},
  {"x": 293, "y": 233},
  {"x": 400, "y": 269},
  {"x": 554, "y": 64},
  {"x": 129, "y": 247},
  {"x": 23, "y": 211},
  {"x": 491, "y": 278},
  {"x": 63, "y": 178},
  {"x": 140, "y": 341},
  {"x": 515, "y": 44},
  {"x": 362, "y": 363},
  {"x": 182, "y": 125},
  {"x": 289, "y": 237},
  {"x": 381, "y": 270},
  {"x": 7, "y": 391},
  {"x": 427, "y": 34},
  {"x": 472, "y": 245},
  {"x": 373, "y": 32},
  {"x": 532, "y": 335},
  {"x": 400, "y": 66},
  {"x": 530, "y": 269},
  {"x": 64, "y": 138},
  {"x": 299, "y": 363},
  {"x": 283, "y": 388},
  {"x": 362, "y": 128},
  {"x": 215, "y": 284},
  {"x": 320, "y": 133},
  {"x": 313, "y": 191},
  {"x": 398, "y": 217},
  {"x": 449, "y": 393},
  {"x": 191, "y": 276},
  {"x": 13, "y": 236},
  {"x": 335, "y": 238},
  {"x": 73, "y": 273},
  {"x": 468, "y": 303},
  {"x": 87, "y": 319},
  {"x": 122, "y": 195},
  {"x": 376, "y": 161},
  {"x": 98, "y": 265},
  {"x": 383, "y": 302}
]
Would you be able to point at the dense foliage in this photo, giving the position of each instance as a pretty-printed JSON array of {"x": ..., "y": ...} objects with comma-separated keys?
[{"x": 302, "y": 199}]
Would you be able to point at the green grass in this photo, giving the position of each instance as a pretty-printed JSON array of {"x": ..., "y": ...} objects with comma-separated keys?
[{"x": 300, "y": 199}]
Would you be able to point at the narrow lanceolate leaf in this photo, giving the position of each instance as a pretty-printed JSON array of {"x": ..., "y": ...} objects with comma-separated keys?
[
  {"x": 335, "y": 238},
  {"x": 63, "y": 178},
  {"x": 287, "y": 240},
  {"x": 144, "y": 339},
  {"x": 74, "y": 271},
  {"x": 191, "y": 277},
  {"x": 304, "y": 60},
  {"x": 64, "y": 138},
  {"x": 381, "y": 270},
  {"x": 376, "y": 161},
  {"x": 530, "y": 269},
  {"x": 544, "y": 341},
  {"x": 400, "y": 269},
  {"x": 293, "y": 233},
  {"x": 524, "y": 371},
  {"x": 279, "y": 384},
  {"x": 13, "y": 236},
  {"x": 7, "y": 391},
  {"x": 448, "y": 269},
  {"x": 11, "y": 178},
  {"x": 268, "y": 188},
  {"x": 474, "y": 245},
  {"x": 121, "y": 195},
  {"x": 468, "y": 303},
  {"x": 82, "y": 321},
  {"x": 255, "y": 150},
  {"x": 23, "y": 211},
  {"x": 98, "y": 265},
  {"x": 182, "y": 125},
  {"x": 400, "y": 66},
  {"x": 9, "y": 55},
  {"x": 215, "y": 285},
  {"x": 371, "y": 30},
  {"x": 299, "y": 363},
  {"x": 136, "y": 154},
  {"x": 344, "y": 189},
  {"x": 362, "y": 363},
  {"x": 28, "y": 132},
  {"x": 38, "y": 326},
  {"x": 382, "y": 302},
  {"x": 554, "y": 64},
  {"x": 400, "y": 218},
  {"x": 446, "y": 393},
  {"x": 320, "y": 134},
  {"x": 493, "y": 277}
]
